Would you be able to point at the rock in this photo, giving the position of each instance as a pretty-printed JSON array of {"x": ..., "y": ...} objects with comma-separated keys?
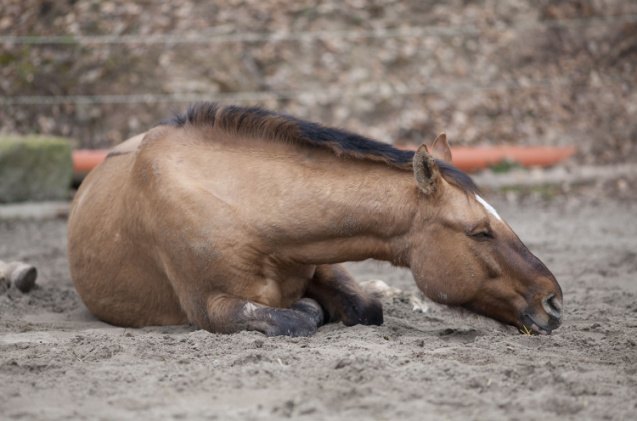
[
  {"x": 4, "y": 283},
  {"x": 34, "y": 168},
  {"x": 380, "y": 289},
  {"x": 20, "y": 274},
  {"x": 23, "y": 276},
  {"x": 418, "y": 303}
]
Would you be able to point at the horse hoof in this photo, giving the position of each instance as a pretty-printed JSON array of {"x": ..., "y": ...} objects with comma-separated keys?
[
  {"x": 291, "y": 326},
  {"x": 311, "y": 308},
  {"x": 302, "y": 319},
  {"x": 363, "y": 311}
]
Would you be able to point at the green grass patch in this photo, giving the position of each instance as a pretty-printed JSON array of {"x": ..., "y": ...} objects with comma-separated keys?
[{"x": 34, "y": 168}]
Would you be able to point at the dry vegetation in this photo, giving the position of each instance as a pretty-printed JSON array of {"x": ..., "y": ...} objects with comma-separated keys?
[{"x": 487, "y": 71}]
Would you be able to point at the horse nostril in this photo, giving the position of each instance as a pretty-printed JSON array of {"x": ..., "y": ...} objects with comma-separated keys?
[{"x": 553, "y": 306}]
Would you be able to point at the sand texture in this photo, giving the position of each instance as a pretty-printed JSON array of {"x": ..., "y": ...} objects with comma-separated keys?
[{"x": 58, "y": 362}]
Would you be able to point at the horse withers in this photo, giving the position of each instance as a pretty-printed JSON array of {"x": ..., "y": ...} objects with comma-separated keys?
[{"x": 234, "y": 218}]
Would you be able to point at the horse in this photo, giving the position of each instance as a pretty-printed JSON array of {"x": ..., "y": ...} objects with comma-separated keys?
[{"x": 236, "y": 218}]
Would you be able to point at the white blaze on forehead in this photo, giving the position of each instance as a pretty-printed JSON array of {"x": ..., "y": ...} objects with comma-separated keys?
[{"x": 488, "y": 207}]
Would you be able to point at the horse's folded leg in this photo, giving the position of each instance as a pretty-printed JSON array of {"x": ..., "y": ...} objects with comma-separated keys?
[
  {"x": 229, "y": 314},
  {"x": 342, "y": 298}
]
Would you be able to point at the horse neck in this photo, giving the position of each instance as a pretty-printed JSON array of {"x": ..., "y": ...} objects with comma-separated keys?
[{"x": 352, "y": 210}]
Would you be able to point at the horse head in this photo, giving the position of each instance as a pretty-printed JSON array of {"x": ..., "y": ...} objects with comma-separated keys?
[{"x": 464, "y": 254}]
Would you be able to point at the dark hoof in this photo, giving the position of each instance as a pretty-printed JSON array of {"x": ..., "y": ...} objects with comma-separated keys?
[
  {"x": 363, "y": 311},
  {"x": 290, "y": 323},
  {"x": 311, "y": 308}
]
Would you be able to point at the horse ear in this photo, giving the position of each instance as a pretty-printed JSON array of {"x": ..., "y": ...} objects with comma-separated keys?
[
  {"x": 440, "y": 148},
  {"x": 426, "y": 170}
]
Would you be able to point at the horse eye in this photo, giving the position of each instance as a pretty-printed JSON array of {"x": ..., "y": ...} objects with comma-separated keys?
[{"x": 481, "y": 235}]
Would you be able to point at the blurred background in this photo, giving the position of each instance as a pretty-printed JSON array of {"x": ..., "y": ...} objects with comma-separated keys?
[{"x": 520, "y": 72}]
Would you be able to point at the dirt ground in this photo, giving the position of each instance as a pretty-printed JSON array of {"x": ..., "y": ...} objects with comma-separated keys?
[{"x": 57, "y": 362}]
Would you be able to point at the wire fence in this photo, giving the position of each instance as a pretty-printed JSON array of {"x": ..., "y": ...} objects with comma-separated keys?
[
  {"x": 212, "y": 36},
  {"x": 324, "y": 94},
  {"x": 380, "y": 91}
]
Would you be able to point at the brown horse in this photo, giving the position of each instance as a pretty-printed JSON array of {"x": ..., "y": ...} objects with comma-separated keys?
[{"x": 236, "y": 218}]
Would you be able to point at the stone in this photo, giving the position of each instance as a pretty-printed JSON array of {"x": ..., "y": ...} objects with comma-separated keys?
[
  {"x": 23, "y": 276},
  {"x": 5, "y": 283}
]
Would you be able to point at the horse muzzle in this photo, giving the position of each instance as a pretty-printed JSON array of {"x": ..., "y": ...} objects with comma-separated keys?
[{"x": 544, "y": 321}]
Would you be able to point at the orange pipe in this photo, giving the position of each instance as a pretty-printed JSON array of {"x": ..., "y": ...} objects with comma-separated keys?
[
  {"x": 473, "y": 159},
  {"x": 465, "y": 158},
  {"x": 481, "y": 157},
  {"x": 84, "y": 160}
]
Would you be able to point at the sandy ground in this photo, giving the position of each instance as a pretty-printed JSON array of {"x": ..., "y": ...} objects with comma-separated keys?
[{"x": 57, "y": 362}]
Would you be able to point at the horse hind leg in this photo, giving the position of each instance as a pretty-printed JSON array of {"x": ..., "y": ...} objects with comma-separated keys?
[
  {"x": 342, "y": 298},
  {"x": 228, "y": 314}
]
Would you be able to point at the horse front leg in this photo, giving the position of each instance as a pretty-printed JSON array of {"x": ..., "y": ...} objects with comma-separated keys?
[
  {"x": 342, "y": 298},
  {"x": 228, "y": 314}
]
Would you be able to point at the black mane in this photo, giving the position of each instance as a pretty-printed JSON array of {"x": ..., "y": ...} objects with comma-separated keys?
[{"x": 257, "y": 122}]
